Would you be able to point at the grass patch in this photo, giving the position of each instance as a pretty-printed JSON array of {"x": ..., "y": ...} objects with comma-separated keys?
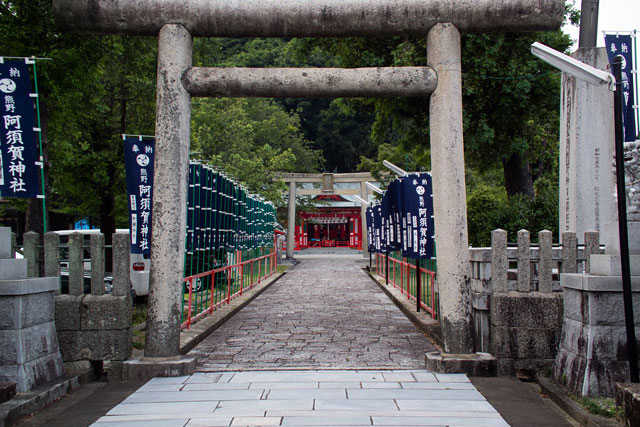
[
  {"x": 139, "y": 314},
  {"x": 281, "y": 268},
  {"x": 604, "y": 407},
  {"x": 138, "y": 340}
]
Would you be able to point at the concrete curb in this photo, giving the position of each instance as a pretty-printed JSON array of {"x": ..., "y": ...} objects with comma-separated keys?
[
  {"x": 422, "y": 321},
  {"x": 573, "y": 409},
  {"x": 27, "y": 403},
  {"x": 189, "y": 338}
]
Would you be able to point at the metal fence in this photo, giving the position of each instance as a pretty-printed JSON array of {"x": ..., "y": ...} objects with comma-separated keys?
[
  {"x": 402, "y": 275},
  {"x": 203, "y": 293}
]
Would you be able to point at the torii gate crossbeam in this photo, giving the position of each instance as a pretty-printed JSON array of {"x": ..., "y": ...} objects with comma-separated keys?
[{"x": 177, "y": 21}]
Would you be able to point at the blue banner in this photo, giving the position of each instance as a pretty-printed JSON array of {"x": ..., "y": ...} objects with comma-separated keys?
[
  {"x": 622, "y": 45},
  {"x": 417, "y": 217},
  {"x": 390, "y": 217},
  {"x": 378, "y": 231},
  {"x": 138, "y": 160},
  {"x": 19, "y": 150},
  {"x": 369, "y": 218}
]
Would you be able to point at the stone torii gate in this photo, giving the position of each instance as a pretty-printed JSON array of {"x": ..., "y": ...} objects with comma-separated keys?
[
  {"x": 175, "y": 22},
  {"x": 327, "y": 180}
]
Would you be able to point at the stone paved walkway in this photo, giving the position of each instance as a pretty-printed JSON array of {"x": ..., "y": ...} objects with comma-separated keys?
[
  {"x": 306, "y": 398},
  {"x": 324, "y": 313}
]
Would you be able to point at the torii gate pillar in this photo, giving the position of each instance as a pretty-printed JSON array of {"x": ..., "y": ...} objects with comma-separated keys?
[
  {"x": 449, "y": 193},
  {"x": 173, "y": 127}
]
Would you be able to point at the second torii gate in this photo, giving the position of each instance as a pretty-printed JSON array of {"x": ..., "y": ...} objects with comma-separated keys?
[
  {"x": 327, "y": 181},
  {"x": 177, "y": 21}
]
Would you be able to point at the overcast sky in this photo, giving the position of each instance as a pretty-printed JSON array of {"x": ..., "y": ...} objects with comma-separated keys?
[{"x": 613, "y": 15}]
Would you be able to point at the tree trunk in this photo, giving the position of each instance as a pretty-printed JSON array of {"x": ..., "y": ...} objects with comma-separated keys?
[{"x": 517, "y": 176}]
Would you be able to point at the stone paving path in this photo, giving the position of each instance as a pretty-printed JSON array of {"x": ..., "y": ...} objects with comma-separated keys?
[
  {"x": 264, "y": 366},
  {"x": 306, "y": 398},
  {"x": 324, "y": 313}
]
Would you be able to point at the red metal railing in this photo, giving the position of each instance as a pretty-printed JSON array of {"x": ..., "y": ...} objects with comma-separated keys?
[
  {"x": 218, "y": 287},
  {"x": 402, "y": 275}
]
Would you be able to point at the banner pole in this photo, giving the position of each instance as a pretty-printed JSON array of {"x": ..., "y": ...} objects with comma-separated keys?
[
  {"x": 418, "y": 284},
  {"x": 44, "y": 203},
  {"x": 636, "y": 81}
]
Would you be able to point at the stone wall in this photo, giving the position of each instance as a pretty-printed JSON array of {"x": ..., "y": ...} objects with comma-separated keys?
[
  {"x": 29, "y": 355},
  {"x": 593, "y": 349},
  {"x": 90, "y": 326},
  {"x": 517, "y": 300}
]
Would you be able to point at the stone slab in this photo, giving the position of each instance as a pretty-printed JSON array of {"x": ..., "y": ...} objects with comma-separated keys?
[
  {"x": 525, "y": 343},
  {"x": 307, "y": 407},
  {"x": 95, "y": 345},
  {"x": 13, "y": 269},
  {"x": 526, "y": 309},
  {"x": 474, "y": 364},
  {"x": 628, "y": 397},
  {"x": 67, "y": 312},
  {"x": 28, "y": 286},
  {"x": 589, "y": 282},
  {"x": 105, "y": 312},
  {"x": 437, "y": 421},
  {"x": 5, "y": 243},
  {"x": 609, "y": 265},
  {"x": 611, "y": 238},
  {"x": 194, "y": 396},
  {"x": 139, "y": 369}
]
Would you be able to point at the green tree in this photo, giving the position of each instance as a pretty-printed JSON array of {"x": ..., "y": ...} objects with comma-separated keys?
[{"x": 251, "y": 140}]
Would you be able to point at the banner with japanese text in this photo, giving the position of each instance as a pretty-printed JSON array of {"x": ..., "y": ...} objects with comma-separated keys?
[
  {"x": 417, "y": 216},
  {"x": 369, "y": 217},
  {"x": 20, "y": 167},
  {"x": 621, "y": 44},
  {"x": 138, "y": 160}
]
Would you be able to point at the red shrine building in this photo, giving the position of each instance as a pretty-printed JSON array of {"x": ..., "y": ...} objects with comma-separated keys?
[{"x": 335, "y": 222}]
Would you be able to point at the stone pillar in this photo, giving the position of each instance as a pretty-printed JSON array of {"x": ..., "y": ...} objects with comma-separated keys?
[
  {"x": 291, "y": 224},
  {"x": 587, "y": 182},
  {"x": 173, "y": 115},
  {"x": 449, "y": 197},
  {"x": 363, "y": 220}
]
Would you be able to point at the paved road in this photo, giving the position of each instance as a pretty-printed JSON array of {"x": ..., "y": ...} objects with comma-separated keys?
[{"x": 324, "y": 313}]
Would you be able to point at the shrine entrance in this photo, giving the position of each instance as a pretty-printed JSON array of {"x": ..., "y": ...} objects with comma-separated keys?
[
  {"x": 176, "y": 22},
  {"x": 328, "y": 227}
]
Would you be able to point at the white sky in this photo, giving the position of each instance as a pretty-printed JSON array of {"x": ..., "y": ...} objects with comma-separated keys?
[{"x": 613, "y": 15}]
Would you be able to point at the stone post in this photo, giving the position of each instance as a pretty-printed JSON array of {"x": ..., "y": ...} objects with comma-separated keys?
[
  {"x": 121, "y": 269},
  {"x": 449, "y": 193},
  {"x": 97, "y": 264},
  {"x": 545, "y": 261},
  {"x": 591, "y": 246},
  {"x": 173, "y": 115},
  {"x": 30, "y": 241},
  {"x": 291, "y": 224},
  {"x": 569, "y": 252},
  {"x": 524, "y": 261},
  {"x": 363, "y": 220},
  {"x": 51, "y": 254},
  {"x": 499, "y": 262},
  {"x": 76, "y": 264}
]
